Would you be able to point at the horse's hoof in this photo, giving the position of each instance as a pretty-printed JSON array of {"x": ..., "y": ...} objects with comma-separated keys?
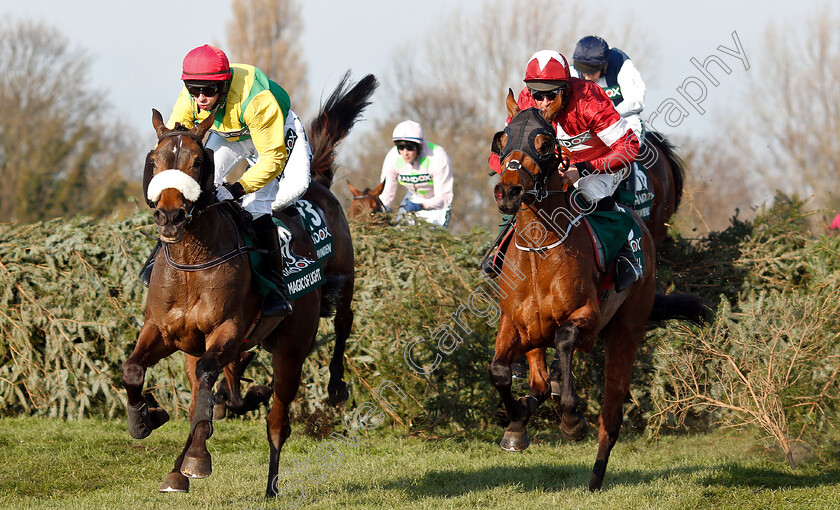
[
  {"x": 219, "y": 412},
  {"x": 577, "y": 432},
  {"x": 515, "y": 441},
  {"x": 339, "y": 396},
  {"x": 197, "y": 467},
  {"x": 175, "y": 482}
]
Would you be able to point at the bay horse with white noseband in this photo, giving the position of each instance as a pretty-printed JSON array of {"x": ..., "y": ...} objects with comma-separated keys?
[
  {"x": 202, "y": 298},
  {"x": 551, "y": 293}
]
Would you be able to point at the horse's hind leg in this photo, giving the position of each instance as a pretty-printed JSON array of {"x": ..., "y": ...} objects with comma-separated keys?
[
  {"x": 572, "y": 424},
  {"x": 620, "y": 354},
  {"x": 287, "y": 371},
  {"x": 230, "y": 396},
  {"x": 343, "y": 322},
  {"x": 150, "y": 349}
]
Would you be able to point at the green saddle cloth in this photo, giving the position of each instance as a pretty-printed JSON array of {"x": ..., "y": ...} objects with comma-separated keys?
[
  {"x": 301, "y": 275},
  {"x": 614, "y": 228}
]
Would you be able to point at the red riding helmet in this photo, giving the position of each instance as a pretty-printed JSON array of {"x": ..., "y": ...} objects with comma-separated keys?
[
  {"x": 206, "y": 63},
  {"x": 547, "y": 70}
]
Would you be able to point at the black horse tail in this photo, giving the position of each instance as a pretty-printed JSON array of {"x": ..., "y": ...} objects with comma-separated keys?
[
  {"x": 333, "y": 123},
  {"x": 684, "y": 307},
  {"x": 675, "y": 162}
]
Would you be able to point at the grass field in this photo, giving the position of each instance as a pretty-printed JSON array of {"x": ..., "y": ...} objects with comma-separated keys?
[{"x": 95, "y": 464}]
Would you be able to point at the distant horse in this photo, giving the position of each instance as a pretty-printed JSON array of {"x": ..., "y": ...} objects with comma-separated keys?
[
  {"x": 553, "y": 295},
  {"x": 365, "y": 201},
  {"x": 665, "y": 175},
  {"x": 202, "y": 299}
]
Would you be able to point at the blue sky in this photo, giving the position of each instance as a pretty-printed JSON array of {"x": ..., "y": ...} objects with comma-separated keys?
[{"x": 137, "y": 47}]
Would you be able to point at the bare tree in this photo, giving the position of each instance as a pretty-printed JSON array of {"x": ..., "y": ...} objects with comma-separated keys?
[
  {"x": 264, "y": 33},
  {"x": 789, "y": 135},
  {"x": 56, "y": 157}
]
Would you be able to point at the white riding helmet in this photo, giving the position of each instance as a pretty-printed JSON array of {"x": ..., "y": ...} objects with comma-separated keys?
[{"x": 410, "y": 131}]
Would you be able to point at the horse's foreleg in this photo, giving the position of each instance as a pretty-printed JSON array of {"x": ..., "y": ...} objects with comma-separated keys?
[
  {"x": 222, "y": 348},
  {"x": 518, "y": 411},
  {"x": 150, "y": 349},
  {"x": 620, "y": 354},
  {"x": 343, "y": 322},
  {"x": 572, "y": 424}
]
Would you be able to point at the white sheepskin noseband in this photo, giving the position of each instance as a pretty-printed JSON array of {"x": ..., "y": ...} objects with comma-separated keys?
[{"x": 176, "y": 179}]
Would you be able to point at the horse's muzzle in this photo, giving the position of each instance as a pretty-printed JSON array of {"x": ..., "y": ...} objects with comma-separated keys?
[
  {"x": 508, "y": 198},
  {"x": 170, "y": 223}
]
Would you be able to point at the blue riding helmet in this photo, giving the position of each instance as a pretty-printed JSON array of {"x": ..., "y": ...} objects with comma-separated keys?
[{"x": 591, "y": 54}]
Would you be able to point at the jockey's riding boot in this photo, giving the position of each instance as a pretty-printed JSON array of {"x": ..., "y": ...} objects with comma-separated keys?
[
  {"x": 275, "y": 302},
  {"x": 627, "y": 268},
  {"x": 146, "y": 271},
  {"x": 492, "y": 266}
]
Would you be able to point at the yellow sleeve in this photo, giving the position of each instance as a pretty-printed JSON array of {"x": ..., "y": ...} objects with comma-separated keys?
[
  {"x": 265, "y": 122},
  {"x": 182, "y": 112}
]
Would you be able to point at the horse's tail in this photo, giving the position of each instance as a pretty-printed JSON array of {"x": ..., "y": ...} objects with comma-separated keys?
[
  {"x": 684, "y": 307},
  {"x": 675, "y": 162},
  {"x": 333, "y": 122}
]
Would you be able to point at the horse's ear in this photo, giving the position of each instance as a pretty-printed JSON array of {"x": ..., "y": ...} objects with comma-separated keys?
[
  {"x": 206, "y": 124},
  {"x": 378, "y": 190},
  {"x": 157, "y": 122},
  {"x": 354, "y": 190},
  {"x": 512, "y": 107},
  {"x": 148, "y": 172}
]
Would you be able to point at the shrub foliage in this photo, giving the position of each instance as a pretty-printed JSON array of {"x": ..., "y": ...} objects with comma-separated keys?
[{"x": 425, "y": 321}]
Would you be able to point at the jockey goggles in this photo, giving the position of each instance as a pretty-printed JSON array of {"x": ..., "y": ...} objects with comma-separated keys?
[
  {"x": 209, "y": 90},
  {"x": 411, "y": 146},
  {"x": 540, "y": 95}
]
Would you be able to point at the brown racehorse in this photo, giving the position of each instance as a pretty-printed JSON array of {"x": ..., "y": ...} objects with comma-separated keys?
[
  {"x": 551, "y": 294},
  {"x": 202, "y": 299},
  {"x": 365, "y": 202},
  {"x": 332, "y": 124},
  {"x": 665, "y": 173}
]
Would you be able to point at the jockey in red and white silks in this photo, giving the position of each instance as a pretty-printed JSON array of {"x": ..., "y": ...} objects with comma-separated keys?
[
  {"x": 424, "y": 170},
  {"x": 587, "y": 124},
  {"x": 614, "y": 72}
]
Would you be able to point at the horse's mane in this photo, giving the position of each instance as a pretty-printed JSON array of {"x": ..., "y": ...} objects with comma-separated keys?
[
  {"x": 674, "y": 161},
  {"x": 333, "y": 122}
]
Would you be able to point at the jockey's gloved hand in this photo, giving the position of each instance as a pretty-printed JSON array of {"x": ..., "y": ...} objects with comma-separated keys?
[
  {"x": 233, "y": 191},
  {"x": 411, "y": 207}
]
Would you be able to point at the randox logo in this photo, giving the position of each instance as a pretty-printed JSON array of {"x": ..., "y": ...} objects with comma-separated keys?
[
  {"x": 613, "y": 92},
  {"x": 575, "y": 141},
  {"x": 415, "y": 179}
]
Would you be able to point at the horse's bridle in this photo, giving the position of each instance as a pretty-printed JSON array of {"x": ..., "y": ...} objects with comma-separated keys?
[
  {"x": 522, "y": 132},
  {"x": 192, "y": 213}
]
